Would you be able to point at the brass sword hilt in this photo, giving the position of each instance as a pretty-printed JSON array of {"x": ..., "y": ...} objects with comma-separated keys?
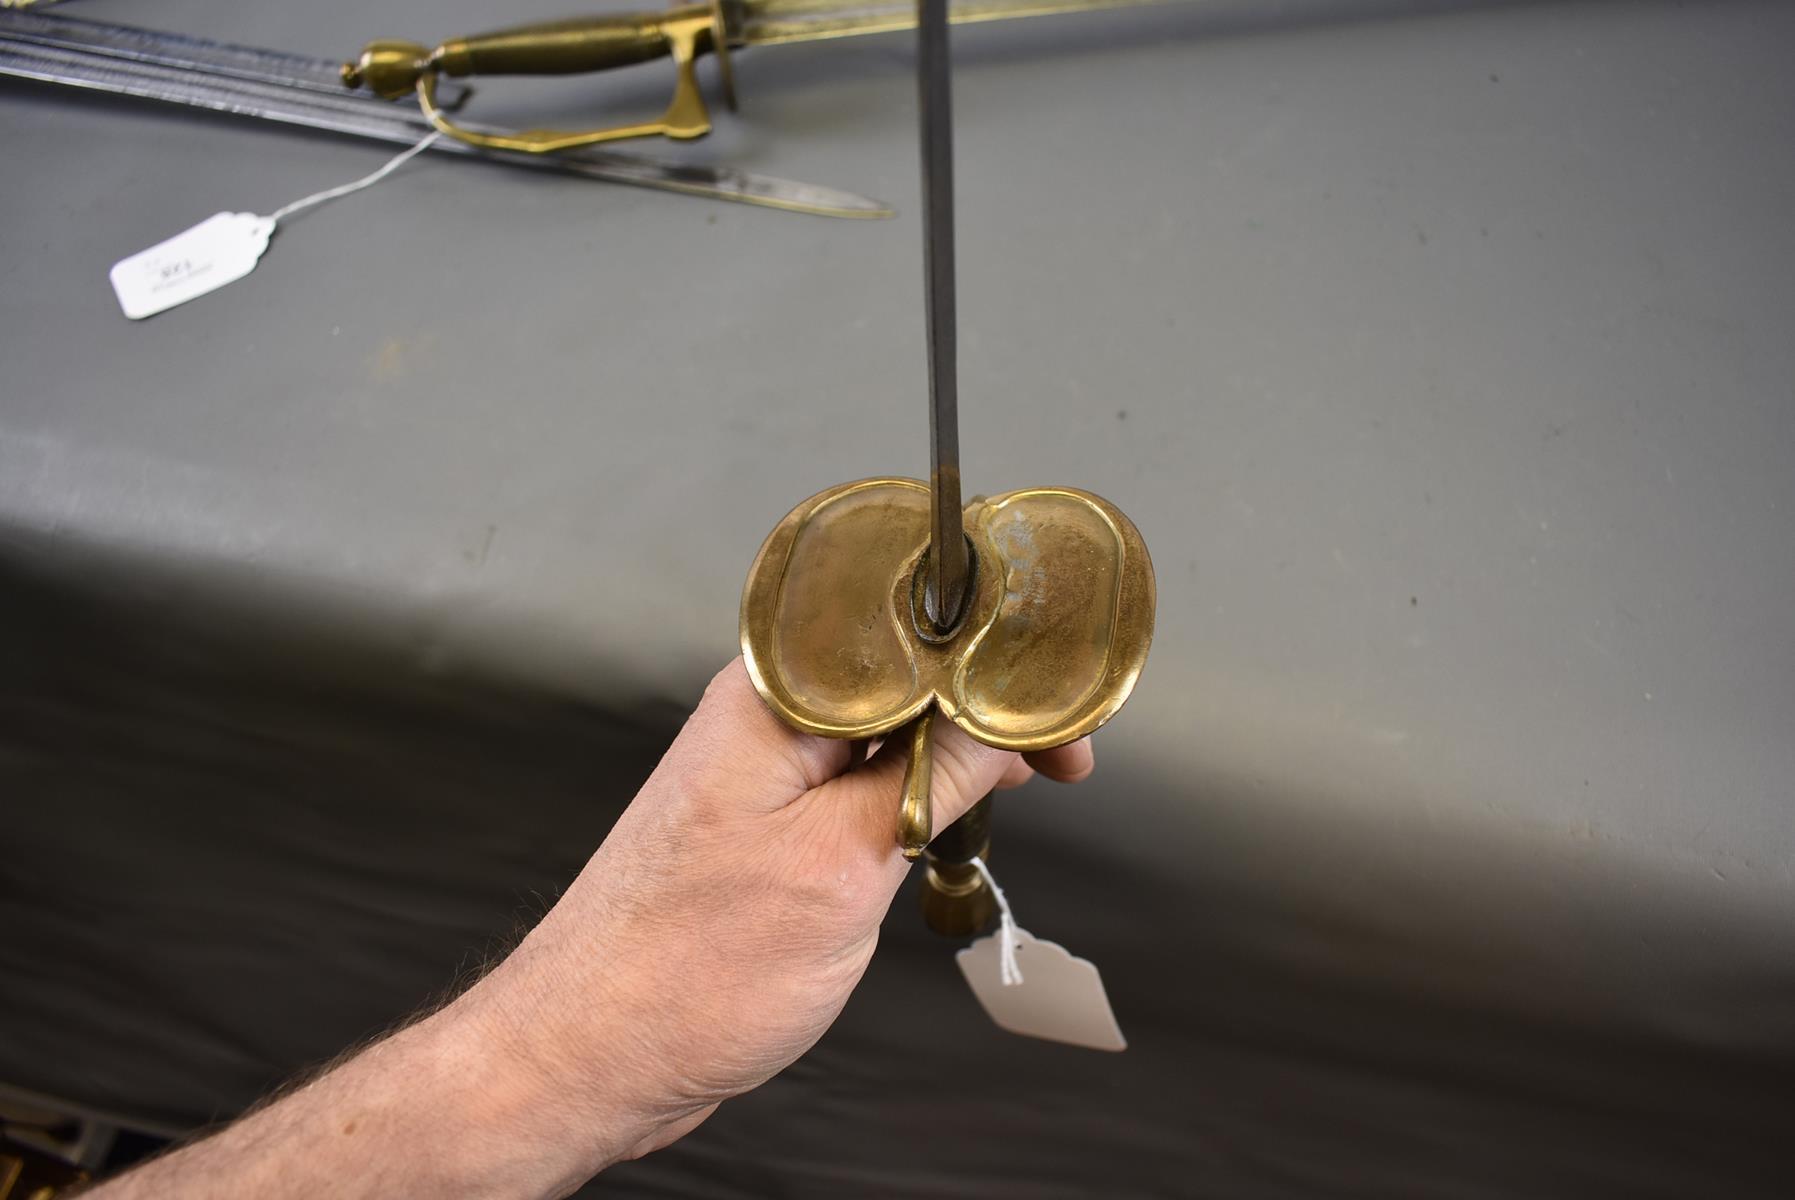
[
  {"x": 1054, "y": 630},
  {"x": 956, "y": 900},
  {"x": 393, "y": 69}
]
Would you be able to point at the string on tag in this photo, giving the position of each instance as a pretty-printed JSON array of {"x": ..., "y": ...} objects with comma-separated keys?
[
  {"x": 1008, "y": 970},
  {"x": 393, "y": 164},
  {"x": 219, "y": 250}
]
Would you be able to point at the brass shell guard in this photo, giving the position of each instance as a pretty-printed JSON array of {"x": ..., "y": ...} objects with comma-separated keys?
[{"x": 834, "y": 640}]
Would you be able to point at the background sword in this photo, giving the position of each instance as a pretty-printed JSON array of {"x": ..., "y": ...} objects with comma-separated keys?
[{"x": 296, "y": 89}]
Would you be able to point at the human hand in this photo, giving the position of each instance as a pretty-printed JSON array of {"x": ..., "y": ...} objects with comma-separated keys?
[{"x": 719, "y": 929}]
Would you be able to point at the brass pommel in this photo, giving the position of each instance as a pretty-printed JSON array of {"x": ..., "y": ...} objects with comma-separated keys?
[{"x": 388, "y": 68}]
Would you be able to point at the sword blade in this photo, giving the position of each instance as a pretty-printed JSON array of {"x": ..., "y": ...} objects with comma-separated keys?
[
  {"x": 776, "y": 22},
  {"x": 945, "y": 585},
  {"x": 280, "y": 87},
  {"x": 176, "y": 50}
]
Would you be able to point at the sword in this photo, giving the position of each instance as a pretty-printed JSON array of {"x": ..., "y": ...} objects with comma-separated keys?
[
  {"x": 299, "y": 90},
  {"x": 955, "y": 899},
  {"x": 394, "y": 69},
  {"x": 868, "y": 613}
]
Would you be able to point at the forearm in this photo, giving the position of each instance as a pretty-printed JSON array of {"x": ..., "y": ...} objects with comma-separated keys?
[{"x": 442, "y": 1108}]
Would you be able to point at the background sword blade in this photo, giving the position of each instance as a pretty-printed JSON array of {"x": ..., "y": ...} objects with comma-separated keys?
[{"x": 773, "y": 22}]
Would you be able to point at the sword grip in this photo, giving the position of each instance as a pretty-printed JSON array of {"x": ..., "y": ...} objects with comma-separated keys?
[
  {"x": 956, "y": 900},
  {"x": 564, "y": 47}
]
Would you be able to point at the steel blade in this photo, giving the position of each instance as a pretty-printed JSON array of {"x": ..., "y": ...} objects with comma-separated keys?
[
  {"x": 775, "y": 22},
  {"x": 945, "y": 583},
  {"x": 177, "y": 50}
]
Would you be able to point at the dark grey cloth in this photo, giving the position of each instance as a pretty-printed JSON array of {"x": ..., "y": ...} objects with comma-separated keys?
[{"x": 229, "y": 857}]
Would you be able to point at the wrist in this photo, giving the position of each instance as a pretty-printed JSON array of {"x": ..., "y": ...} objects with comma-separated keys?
[
  {"x": 551, "y": 1075},
  {"x": 500, "y": 1115}
]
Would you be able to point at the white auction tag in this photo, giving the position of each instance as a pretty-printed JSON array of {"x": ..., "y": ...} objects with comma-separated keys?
[
  {"x": 221, "y": 249},
  {"x": 1054, "y": 995}
]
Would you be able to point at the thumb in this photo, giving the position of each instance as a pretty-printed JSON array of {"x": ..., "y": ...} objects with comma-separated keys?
[{"x": 963, "y": 771}]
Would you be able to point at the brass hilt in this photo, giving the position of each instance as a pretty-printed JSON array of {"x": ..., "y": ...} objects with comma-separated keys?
[
  {"x": 956, "y": 900},
  {"x": 394, "y": 69}
]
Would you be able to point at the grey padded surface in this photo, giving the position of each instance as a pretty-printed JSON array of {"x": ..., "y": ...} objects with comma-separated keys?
[{"x": 1440, "y": 351}]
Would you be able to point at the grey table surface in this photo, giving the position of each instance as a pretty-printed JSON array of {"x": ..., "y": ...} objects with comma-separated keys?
[{"x": 1441, "y": 351}]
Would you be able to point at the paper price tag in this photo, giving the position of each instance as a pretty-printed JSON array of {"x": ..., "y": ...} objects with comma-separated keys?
[
  {"x": 1060, "y": 997},
  {"x": 221, "y": 249}
]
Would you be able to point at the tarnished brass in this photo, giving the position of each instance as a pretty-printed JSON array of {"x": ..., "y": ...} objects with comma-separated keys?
[
  {"x": 916, "y": 816},
  {"x": 393, "y": 69},
  {"x": 956, "y": 900},
  {"x": 1054, "y": 631}
]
